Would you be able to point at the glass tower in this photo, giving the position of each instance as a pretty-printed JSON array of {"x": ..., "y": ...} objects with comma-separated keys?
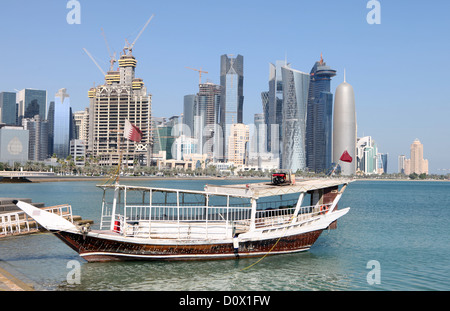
[
  {"x": 275, "y": 109},
  {"x": 189, "y": 113},
  {"x": 62, "y": 127},
  {"x": 51, "y": 125},
  {"x": 30, "y": 103},
  {"x": 232, "y": 94},
  {"x": 319, "y": 128},
  {"x": 8, "y": 108},
  {"x": 295, "y": 97}
]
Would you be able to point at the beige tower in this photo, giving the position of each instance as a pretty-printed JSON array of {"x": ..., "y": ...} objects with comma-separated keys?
[
  {"x": 122, "y": 97},
  {"x": 416, "y": 164},
  {"x": 237, "y": 143}
]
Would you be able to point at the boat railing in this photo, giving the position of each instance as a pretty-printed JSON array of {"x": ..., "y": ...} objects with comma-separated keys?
[
  {"x": 284, "y": 216},
  {"x": 181, "y": 222},
  {"x": 186, "y": 213},
  {"x": 20, "y": 223},
  {"x": 207, "y": 221}
]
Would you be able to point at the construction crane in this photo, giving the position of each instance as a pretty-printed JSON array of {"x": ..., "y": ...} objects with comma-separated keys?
[
  {"x": 129, "y": 47},
  {"x": 92, "y": 58},
  {"x": 112, "y": 57},
  {"x": 200, "y": 71}
]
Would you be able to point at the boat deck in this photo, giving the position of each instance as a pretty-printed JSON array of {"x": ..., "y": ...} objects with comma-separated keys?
[
  {"x": 250, "y": 190},
  {"x": 266, "y": 189}
]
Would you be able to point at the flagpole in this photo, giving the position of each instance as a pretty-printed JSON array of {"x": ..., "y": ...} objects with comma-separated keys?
[
  {"x": 345, "y": 157},
  {"x": 334, "y": 169},
  {"x": 116, "y": 175}
]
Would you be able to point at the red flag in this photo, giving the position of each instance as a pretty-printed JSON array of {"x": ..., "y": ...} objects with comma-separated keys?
[
  {"x": 132, "y": 132},
  {"x": 345, "y": 157}
]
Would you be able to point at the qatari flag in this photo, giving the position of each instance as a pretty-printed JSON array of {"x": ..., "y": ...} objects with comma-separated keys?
[
  {"x": 345, "y": 157},
  {"x": 132, "y": 132}
]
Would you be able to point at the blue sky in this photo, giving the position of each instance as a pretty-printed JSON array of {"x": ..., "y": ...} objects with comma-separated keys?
[{"x": 398, "y": 68}]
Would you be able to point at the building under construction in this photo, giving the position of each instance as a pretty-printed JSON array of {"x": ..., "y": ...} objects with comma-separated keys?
[{"x": 121, "y": 97}]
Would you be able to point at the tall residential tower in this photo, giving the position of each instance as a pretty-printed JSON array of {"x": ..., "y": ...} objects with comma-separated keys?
[
  {"x": 123, "y": 96},
  {"x": 319, "y": 124},
  {"x": 232, "y": 95}
]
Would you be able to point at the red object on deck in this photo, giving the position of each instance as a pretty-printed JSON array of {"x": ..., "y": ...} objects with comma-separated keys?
[{"x": 117, "y": 226}]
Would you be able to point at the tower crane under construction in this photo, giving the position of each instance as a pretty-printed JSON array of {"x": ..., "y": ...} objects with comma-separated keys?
[{"x": 200, "y": 72}]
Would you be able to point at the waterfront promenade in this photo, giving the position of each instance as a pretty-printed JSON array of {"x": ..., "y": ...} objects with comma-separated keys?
[{"x": 8, "y": 282}]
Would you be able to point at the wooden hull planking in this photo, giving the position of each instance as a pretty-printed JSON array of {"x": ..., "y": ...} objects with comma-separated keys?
[{"x": 96, "y": 249}]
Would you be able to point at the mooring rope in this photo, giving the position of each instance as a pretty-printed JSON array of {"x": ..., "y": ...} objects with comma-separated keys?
[{"x": 271, "y": 249}]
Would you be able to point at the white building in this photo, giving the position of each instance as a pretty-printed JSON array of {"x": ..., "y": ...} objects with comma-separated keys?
[
  {"x": 13, "y": 144},
  {"x": 78, "y": 151},
  {"x": 366, "y": 155}
]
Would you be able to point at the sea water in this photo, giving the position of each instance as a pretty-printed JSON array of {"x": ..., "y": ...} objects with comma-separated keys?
[{"x": 395, "y": 237}]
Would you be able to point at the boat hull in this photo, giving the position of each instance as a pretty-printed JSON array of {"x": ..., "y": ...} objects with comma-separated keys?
[{"x": 101, "y": 249}]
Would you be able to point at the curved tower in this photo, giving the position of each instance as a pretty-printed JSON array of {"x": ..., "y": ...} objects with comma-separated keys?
[
  {"x": 294, "y": 112},
  {"x": 344, "y": 127}
]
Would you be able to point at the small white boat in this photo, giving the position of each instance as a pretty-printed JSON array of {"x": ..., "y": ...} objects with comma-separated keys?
[{"x": 220, "y": 222}]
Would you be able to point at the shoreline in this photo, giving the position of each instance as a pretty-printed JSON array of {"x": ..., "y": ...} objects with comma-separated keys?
[
  {"x": 139, "y": 178},
  {"x": 156, "y": 178}
]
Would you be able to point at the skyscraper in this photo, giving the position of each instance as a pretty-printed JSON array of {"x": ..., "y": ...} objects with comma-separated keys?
[
  {"x": 366, "y": 155},
  {"x": 38, "y": 139},
  {"x": 238, "y": 144},
  {"x": 8, "y": 108},
  {"x": 260, "y": 138},
  {"x": 232, "y": 95},
  {"x": 344, "y": 127},
  {"x": 80, "y": 118},
  {"x": 62, "y": 126},
  {"x": 417, "y": 164},
  {"x": 382, "y": 163},
  {"x": 122, "y": 97},
  {"x": 295, "y": 97},
  {"x": 51, "y": 125},
  {"x": 319, "y": 120},
  {"x": 273, "y": 107},
  {"x": 30, "y": 103},
  {"x": 401, "y": 163},
  {"x": 208, "y": 101},
  {"x": 189, "y": 113}
]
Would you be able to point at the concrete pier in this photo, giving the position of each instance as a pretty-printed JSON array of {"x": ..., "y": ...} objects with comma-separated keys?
[{"x": 8, "y": 282}]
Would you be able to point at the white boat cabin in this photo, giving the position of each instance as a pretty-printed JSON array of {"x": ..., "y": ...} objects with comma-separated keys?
[{"x": 220, "y": 212}]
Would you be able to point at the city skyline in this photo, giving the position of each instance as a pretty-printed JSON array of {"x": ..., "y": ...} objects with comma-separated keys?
[{"x": 384, "y": 63}]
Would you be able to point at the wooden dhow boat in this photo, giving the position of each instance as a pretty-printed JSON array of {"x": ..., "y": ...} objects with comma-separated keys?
[{"x": 220, "y": 222}]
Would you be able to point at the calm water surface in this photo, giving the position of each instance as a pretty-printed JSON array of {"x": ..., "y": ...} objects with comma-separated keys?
[{"x": 402, "y": 225}]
